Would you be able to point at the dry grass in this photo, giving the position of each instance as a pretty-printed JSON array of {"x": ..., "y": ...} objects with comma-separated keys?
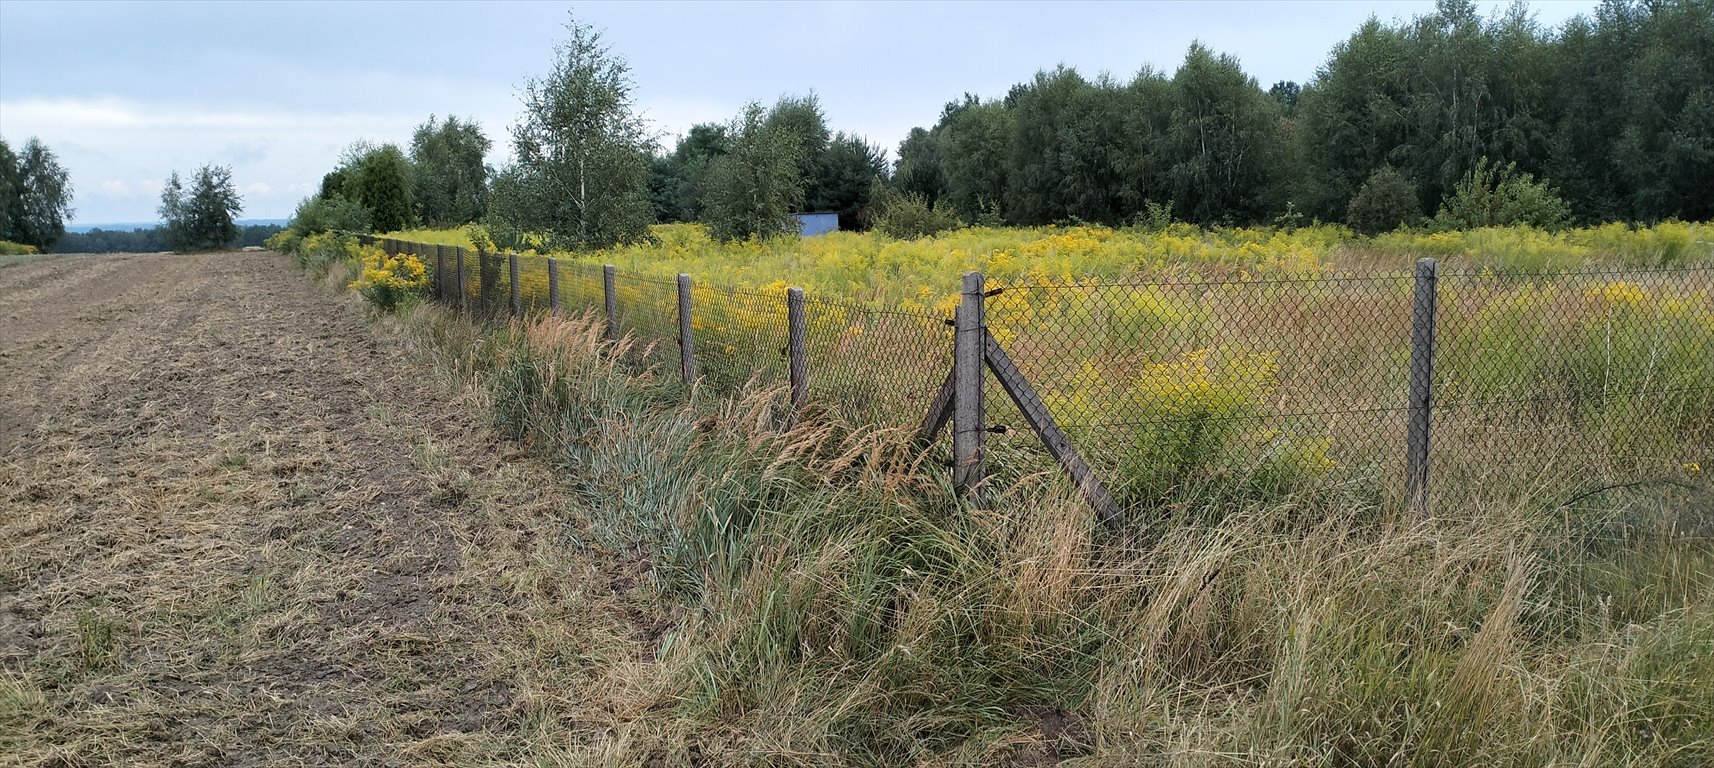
[{"x": 837, "y": 608}]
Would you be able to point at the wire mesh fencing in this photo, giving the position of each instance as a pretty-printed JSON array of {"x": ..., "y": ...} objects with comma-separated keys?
[
  {"x": 1537, "y": 385},
  {"x": 1179, "y": 392},
  {"x": 1172, "y": 389},
  {"x": 1572, "y": 380}
]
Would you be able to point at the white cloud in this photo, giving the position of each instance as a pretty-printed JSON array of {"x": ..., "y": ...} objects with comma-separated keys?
[
  {"x": 105, "y": 140},
  {"x": 109, "y": 113}
]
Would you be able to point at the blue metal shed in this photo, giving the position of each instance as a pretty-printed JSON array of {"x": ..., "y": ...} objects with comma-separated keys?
[{"x": 817, "y": 223}]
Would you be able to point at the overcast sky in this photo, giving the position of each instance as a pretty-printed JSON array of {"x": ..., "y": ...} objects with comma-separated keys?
[{"x": 125, "y": 93}]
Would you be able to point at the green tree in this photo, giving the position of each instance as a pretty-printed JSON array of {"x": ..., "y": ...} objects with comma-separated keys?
[
  {"x": 11, "y": 194},
  {"x": 449, "y": 179},
  {"x": 921, "y": 170},
  {"x": 976, "y": 140},
  {"x": 582, "y": 170},
  {"x": 36, "y": 211},
  {"x": 172, "y": 212},
  {"x": 337, "y": 183},
  {"x": 1384, "y": 203},
  {"x": 1225, "y": 141},
  {"x": 202, "y": 218},
  {"x": 1064, "y": 129},
  {"x": 754, "y": 186},
  {"x": 382, "y": 182},
  {"x": 845, "y": 179},
  {"x": 800, "y": 119},
  {"x": 679, "y": 181},
  {"x": 1286, "y": 94}
]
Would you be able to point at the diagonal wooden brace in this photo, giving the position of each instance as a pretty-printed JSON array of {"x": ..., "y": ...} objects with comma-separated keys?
[{"x": 1035, "y": 411}]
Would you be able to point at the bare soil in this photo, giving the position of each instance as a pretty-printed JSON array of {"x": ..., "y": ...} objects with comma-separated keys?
[{"x": 240, "y": 525}]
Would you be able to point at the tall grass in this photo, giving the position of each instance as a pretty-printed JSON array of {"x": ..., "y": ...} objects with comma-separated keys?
[{"x": 839, "y": 606}]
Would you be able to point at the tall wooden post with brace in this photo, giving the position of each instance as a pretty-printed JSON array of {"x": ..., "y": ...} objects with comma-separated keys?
[
  {"x": 969, "y": 422},
  {"x": 1421, "y": 403}
]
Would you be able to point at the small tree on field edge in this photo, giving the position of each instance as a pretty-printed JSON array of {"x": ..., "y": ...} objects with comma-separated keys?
[
  {"x": 202, "y": 219},
  {"x": 581, "y": 180}
]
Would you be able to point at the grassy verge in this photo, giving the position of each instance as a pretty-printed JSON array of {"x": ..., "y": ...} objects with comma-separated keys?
[
  {"x": 824, "y": 600},
  {"x": 15, "y": 259}
]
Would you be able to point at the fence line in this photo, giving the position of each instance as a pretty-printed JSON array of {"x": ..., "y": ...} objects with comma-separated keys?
[{"x": 1153, "y": 393}]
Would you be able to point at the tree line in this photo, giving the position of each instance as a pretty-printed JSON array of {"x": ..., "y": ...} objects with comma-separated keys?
[
  {"x": 151, "y": 239},
  {"x": 1615, "y": 112},
  {"x": 1449, "y": 119},
  {"x": 587, "y": 173},
  {"x": 441, "y": 181}
]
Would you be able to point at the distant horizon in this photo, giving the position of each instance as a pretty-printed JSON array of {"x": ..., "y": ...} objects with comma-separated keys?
[{"x": 127, "y": 226}]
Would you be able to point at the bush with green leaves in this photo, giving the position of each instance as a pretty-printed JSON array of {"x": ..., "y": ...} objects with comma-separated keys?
[
  {"x": 908, "y": 215},
  {"x": 1492, "y": 195},
  {"x": 1385, "y": 202},
  {"x": 329, "y": 214}
]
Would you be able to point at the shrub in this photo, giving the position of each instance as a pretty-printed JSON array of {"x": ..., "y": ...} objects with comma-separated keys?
[
  {"x": 390, "y": 282},
  {"x": 329, "y": 214},
  {"x": 910, "y": 216},
  {"x": 9, "y": 248},
  {"x": 1154, "y": 217},
  {"x": 1385, "y": 202},
  {"x": 1491, "y": 195},
  {"x": 320, "y": 251},
  {"x": 284, "y": 241},
  {"x": 1191, "y": 429}
]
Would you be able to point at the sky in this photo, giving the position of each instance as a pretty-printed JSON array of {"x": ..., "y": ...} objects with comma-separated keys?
[{"x": 125, "y": 93}]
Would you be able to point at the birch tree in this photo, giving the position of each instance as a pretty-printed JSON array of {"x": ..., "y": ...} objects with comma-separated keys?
[{"x": 582, "y": 171}]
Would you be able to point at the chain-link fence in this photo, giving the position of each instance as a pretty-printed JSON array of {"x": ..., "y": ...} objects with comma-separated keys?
[{"x": 1191, "y": 392}]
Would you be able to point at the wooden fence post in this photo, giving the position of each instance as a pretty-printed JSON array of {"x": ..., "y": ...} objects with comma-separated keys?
[
  {"x": 487, "y": 279},
  {"x": 463, "y": 289},
  {"x": 553, "y": 285},
  {"x": 517, "y": 291},
  {"x": 1421, "y": 404},
  {"x": 439, "y": 272},
  {"x": 686, "y": 350},
  {"x": 969, "y": 427},
  {"x": 610, "y": 302},
  {"x": 797, "y": 353}
]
